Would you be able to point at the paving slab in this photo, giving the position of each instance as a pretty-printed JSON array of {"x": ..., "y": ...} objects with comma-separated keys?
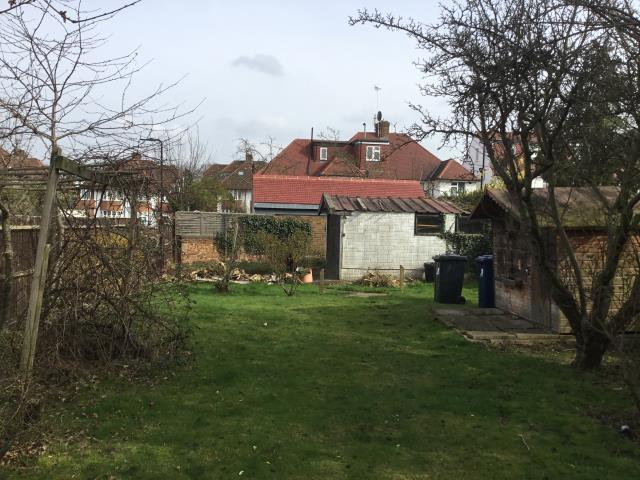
[{"x": 495, "y": 326}]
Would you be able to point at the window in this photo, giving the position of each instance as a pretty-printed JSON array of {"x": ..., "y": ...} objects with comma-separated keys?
[
  {"x": 373, "y": 153},
  {"x": 457, "y": 188},
  {"x": 429, "y": 224},
  {"x": 323, "y": 154}
]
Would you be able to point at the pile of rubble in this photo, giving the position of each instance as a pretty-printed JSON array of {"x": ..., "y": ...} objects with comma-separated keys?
[
  {"x": 377, "y": 279},
  {"x": 215, "y": 274}
]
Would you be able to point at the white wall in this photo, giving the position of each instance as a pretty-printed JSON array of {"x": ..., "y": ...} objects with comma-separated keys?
[
  {"x": 243, "y": 197},
  {"x": 383, "y": 242},
  {"x": 437, "y": 188}
]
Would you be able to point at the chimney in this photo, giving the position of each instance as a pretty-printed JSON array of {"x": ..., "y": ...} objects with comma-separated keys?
[
  {"x": 248, "y": 156},
  {"x": 382, "y": 129}
]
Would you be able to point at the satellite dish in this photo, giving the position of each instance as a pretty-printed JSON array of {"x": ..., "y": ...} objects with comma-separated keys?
[{"x": 379, "y": 116}]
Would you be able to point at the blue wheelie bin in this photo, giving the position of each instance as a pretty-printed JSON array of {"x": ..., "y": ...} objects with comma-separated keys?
[{"x": 486, "y": 287}]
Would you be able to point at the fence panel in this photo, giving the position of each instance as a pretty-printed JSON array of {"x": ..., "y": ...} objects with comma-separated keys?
[{"x": 24, "y": 241}]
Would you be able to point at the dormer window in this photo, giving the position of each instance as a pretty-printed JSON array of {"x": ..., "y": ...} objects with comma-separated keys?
[
  {"x": 323, "y": 154},
  {"x": 373, "y": 153}
]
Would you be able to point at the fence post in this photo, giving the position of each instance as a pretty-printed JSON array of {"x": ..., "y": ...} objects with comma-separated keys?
[
  {"x": 321, "y": 281},
  {"x": 33, "y": 321},
  {"x": 39, "y": 274},
  {"x": 401, "y": 277}
]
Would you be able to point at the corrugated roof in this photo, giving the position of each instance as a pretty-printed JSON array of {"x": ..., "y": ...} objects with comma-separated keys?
[{"x": 341, "y": 204}]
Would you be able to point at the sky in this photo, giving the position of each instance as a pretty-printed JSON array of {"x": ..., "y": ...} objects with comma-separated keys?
[{"x": 276, "y": 67}]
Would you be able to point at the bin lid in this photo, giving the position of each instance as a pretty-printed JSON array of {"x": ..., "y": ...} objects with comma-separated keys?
[
  {"x": 450, "y": 258},
  {"x": 484, "y": 259}
]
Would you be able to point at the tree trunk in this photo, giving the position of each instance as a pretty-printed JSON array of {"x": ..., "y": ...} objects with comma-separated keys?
[
  {"x": 6, "y": 284},
  {"x": 590, "y": 349}
]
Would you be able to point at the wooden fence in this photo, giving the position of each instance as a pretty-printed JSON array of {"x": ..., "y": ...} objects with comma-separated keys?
[
  {"x": 24, "y": 241},
  {"x": 202, "y": 224}
]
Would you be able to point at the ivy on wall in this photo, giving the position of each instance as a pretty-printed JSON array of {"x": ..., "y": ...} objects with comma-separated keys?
[{"x": 282, "y": 228}]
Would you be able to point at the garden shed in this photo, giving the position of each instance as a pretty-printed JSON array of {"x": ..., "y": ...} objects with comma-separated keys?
[
  {"x": 383, "y": 233},
  {"x": 519, "y": 285}
]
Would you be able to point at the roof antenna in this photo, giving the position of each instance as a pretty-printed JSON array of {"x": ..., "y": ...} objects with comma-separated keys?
[
  {"x": 364, "y": 129},
  {"x": 378, "y": 90}
]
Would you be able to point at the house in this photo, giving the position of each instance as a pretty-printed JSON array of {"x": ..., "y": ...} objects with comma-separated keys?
[
  {"x": 237, "y": 178},
  {"x": 481, "y": 166},
  {"x": 380, "y": 155},
  {"x": 519, "y": 285},
  {"x": 451, "y": 178},
  {"x": 382, "y": 233},
  {"x": 154, "y": 181},
  {"x": 19, "y": 160}
]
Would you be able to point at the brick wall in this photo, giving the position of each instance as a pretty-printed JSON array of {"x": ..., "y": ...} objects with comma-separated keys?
[
  {"x": 198, "y": 230},
  {"x": 194, "y": 250},
  {"x": 589, "y": 248},
  {"x": 520, "y": 288},
  {"x": 318, "y": 224}
]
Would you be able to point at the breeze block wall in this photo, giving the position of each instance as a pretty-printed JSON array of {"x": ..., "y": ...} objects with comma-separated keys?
[{"x": 383, "y": 242}]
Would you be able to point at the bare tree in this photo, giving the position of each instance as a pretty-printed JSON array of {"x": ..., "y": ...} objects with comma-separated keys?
[
  {"x": 52, "y": 89},
  {"x": 550, "y": 87},
  {"x": 189, "y": 155},
  {"x": 263, "y": 151},
  {"x": 329, "y": 133}
]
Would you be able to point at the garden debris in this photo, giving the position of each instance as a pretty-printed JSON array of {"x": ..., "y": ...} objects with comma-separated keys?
[
  {"x": 213, "y": 274},
  {"x": 377, "y": 279}
]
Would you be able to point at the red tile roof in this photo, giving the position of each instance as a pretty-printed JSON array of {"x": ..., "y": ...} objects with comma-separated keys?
[
  {"x": 18, "y": 160},
  {"x": 307, "y": 190},
  {"x": 402, "y": 159},
  {"x": 452, "y": 170},
  {"x": 294, "y": 160}
]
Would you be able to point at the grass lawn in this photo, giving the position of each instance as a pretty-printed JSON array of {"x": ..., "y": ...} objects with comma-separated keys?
[{"x": 332, "y": 387}]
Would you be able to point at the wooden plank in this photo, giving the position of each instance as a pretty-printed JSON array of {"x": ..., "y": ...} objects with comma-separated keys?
[
  {"x": 32, "y": 324},
  {"x": 69, "y": 166}
]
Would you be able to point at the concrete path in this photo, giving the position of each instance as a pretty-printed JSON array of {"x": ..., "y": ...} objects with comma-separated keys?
[{"x": 494, "y": 326}]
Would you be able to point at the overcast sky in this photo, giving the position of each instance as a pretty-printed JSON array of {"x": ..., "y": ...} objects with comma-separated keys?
[{"x": 277, "y": 67}]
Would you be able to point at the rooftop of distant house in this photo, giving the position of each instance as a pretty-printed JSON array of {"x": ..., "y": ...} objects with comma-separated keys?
[
  {"x": 18, "y": 160},
  {"x": 237, "y": 175},
  {"x": 380, "y": 154}
]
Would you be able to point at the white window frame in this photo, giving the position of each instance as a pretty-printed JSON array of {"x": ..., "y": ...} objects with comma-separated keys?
[
  {"x": 373, "y": 151},
  {"x": 455, "y": 188},
  {"x": 323, "y": 154}
]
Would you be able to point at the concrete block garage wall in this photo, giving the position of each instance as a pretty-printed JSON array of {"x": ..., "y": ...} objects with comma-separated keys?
[{"x": 383, "y": 242}]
